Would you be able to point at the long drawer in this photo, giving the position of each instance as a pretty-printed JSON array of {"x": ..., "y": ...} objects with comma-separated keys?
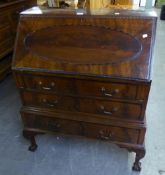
[
  {"x": 67, "y": 103},
  {"x": 79, "y": 87},
  {"x": 104, "y": 132}
]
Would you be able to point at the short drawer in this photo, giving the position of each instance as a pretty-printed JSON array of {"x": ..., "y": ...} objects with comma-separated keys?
[
  {"x": 111, "y": 133},
  {"x": 5, "y": 33},
  {"x": 48, "y": 84},
  {"x": 51, "y": 124},
  {"x": 49, "y": 101},
  {"x": 106, "y": 89},
  {"x": 111, "y": 108}
]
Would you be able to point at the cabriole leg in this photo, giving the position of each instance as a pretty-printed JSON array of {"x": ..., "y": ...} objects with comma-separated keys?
[
  {"x": 30, "y": 135},
  {"x": 139, "y": 155}
]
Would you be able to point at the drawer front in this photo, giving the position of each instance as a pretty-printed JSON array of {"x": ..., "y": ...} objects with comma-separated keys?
[
  {"x": 111, "y": 108},
  {"x": 106, "y": 89},
  {"x": 51, "y": 124},
  {"x": 111, "y": 133},
  {"x": 101, "y": 107},
  {"x": 80, "y": 87},
  {"x": 5, "y": 33},
  {"x": 96, "y": 131},
  {"x": 49, "y": 84},
  {"x": 49, "y": 101}
]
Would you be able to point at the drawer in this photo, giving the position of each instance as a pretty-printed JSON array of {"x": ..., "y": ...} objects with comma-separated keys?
[
  {"x": 51, "y": 124},
  {"x": 111, "y": 133},
  {"x": 49, "y": 101},
  {"x": 49, "y": 84},
  {"x": 79, "y": 87},
  {"x": 5, "y": 33},
  {"x": 96, "y": 131},
  {"x": 111, "y": 108},
  {"x": 101, "y": 107},
  {"x": 106, "y": 89}
]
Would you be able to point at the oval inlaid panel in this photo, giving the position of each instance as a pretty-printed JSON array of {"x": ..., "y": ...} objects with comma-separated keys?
[{"x": 83, "y": 45}]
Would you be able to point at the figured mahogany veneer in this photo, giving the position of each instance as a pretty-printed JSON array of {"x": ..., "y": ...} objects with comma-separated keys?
[
  {"x": 105, "y": 132},
  {"x": 75, "y": 86},
  {"x": 85, "y": 75},
  {"x": 65, "y": 47},
  {"x": 66, "y": 103}
]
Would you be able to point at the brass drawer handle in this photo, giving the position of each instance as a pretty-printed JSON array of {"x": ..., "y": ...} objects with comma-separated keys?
[
  {"x": 115, "y": 109},
  {"x": 52, "y": 85},
  {"x": 104, "y": 91},
  {"x": 105, "y": 136},
  {"x": 46, "y": 88},
  {"x": 50, "y": 104}
]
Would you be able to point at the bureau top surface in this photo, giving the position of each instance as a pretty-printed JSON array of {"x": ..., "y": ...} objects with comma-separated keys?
[{"x": 112, "y": 43}]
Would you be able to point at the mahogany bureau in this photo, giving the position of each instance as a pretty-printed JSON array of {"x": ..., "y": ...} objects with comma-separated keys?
[{"x": 86, "y": 75}]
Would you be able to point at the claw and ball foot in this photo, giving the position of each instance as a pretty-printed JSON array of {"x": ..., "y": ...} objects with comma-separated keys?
[
  {"x": 33, "y": 148},
  {"x": 137, "y": 164},
  {"x": 30, "y": 135}
]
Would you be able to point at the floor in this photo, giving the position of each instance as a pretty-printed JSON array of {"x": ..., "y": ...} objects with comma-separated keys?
[{"x": 59, "y": 155}]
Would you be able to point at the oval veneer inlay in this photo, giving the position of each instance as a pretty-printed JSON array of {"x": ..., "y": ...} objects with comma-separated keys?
[{"x": 83, "y": 45}]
